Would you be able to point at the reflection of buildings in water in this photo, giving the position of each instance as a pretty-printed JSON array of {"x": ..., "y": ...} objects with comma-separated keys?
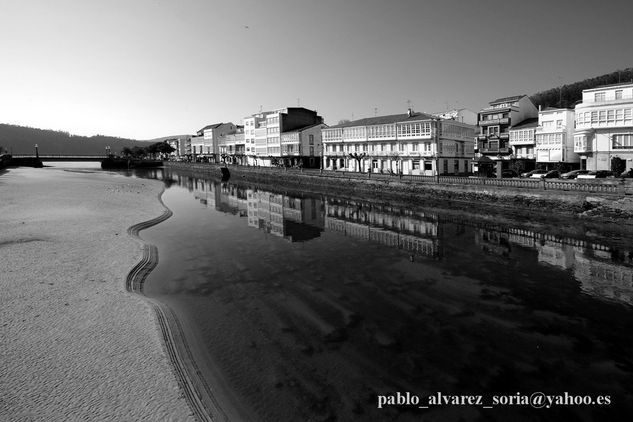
[
  {"x": 232, "y": 200},
  {"x": 556, "y": 254},
  {"x": 593, "y": 264},
  {"x": 294, "y": 219},
  {"x": 492, "y": 241},
  {"x": 601, "y": 276},
  {"x": 413, "y": 232},
  {"x": 205, "y": 191}
]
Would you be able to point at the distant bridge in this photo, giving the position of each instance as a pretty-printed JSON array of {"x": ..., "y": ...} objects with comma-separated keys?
[{"x": 61, "y": 157}]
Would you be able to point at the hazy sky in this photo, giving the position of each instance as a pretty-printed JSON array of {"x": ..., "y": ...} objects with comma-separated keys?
[{"x": 151, "y": 68}]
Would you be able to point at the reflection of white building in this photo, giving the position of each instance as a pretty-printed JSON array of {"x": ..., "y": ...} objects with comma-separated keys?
[
  {"x": 556, "y": 254},
  {"x": 412, "y": 234},
  {"x": 604, "y": 126},
  {"x": 604, "y": 278},
  {"x": 295, "y": 219},
  {"x": 592, "y": 264}
]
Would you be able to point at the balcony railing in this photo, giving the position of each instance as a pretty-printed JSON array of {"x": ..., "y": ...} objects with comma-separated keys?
[
  {"x": 582, "y": 148},
  {"x": 503, "y": 121},
  {"x": 495, "y": 150}
]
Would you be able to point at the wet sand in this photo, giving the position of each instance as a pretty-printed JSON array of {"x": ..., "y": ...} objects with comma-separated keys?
[{"x": 75, "y": 344}]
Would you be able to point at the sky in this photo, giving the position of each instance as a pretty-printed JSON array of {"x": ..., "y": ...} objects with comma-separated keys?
[{"x": 145, "y": 69}]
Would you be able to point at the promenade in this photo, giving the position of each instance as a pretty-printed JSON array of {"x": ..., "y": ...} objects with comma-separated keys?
[{"x": 76, "y": 346}]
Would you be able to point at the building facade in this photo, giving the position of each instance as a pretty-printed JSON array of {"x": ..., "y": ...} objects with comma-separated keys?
[
  {"x": 263, "y": 132},
  {"x": 232, "y": 147},
  {"x": 213, "y": 136},
  {"x": 494, "y": 123},
  {"x": 411, "y": 143},
  {"x": 604, "y": 128},
  {"x": 303, "y": 147},
  {"x": 555, "y": 140},
  {"x": 523, "y": 144}
]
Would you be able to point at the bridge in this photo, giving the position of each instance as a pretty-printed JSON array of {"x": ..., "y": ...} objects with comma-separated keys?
[{"x": 62, "y": 157}]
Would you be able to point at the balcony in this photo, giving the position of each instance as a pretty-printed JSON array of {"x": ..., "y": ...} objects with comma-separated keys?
[
  {"x": 504, "y": 121},
  {"x": 582, "y": 148},
  {"x": 495, "y": 150}
]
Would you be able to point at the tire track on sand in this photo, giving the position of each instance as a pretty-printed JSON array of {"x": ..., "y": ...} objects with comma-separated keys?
[{"x": 196, "y": 390}]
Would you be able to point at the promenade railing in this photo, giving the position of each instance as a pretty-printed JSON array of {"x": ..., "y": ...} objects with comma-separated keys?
[{"x": 614, "y": 186}]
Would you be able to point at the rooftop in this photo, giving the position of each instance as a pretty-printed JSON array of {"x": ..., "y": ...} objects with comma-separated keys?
[
  {"x": 305, "y": 128},
  {"x": 507, "y": 99},
  {"x": 526, "y": 124},
  {"x": 598, "y": 88},
  {"x": 381, "y": 120}
]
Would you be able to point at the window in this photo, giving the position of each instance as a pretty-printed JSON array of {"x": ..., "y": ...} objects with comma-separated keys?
[
  {"x": 416, "y": 164},
  {"x": 311, "y": 139},
  {"x": 618, "y": 94},
  {"x": 599, "y": 96},
  {"x": 559, "y": 124},
  {"x": 623, "y": 141},
  {"x": 414, "y": 146},
  {"x": 493, "y": 130}
]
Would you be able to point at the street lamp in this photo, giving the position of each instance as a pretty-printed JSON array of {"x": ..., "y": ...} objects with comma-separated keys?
[{"x": 37, "y": 154}]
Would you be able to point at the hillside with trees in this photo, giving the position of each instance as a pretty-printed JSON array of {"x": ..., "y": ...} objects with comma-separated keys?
[
  {"x": 568, "y": 95},
  {"x": 22, "y": 140}
]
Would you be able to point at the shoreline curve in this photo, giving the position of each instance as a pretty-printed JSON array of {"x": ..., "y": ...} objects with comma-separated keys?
[{"x": 195, "y": 389}]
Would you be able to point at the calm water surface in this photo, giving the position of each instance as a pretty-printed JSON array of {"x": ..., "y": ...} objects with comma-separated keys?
[{"x": 309, "y": 308}]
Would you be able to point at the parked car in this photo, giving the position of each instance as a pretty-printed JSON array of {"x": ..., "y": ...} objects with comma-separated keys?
[
  {"x": 552, "y": 174},
  {"x": 627, "y": 174},
  {"x": 505, "y": 173},
  {"x": 599, "y": 174},
  {"x": 528, "y": 173},
  {"x": 537, "y": 174},
  {"x": 573, "y": 174}
]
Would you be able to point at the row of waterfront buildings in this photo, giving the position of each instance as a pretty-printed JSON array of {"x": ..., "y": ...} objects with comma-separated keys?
[{"x": 512, "y": 132}]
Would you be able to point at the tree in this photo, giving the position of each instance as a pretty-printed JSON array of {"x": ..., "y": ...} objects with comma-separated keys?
[
  {"x": 343, "y": 121},
  {"x": 139, "y": 152},
  {"x": 164, "y": 148},
  {"x": 359, "y": 159}
]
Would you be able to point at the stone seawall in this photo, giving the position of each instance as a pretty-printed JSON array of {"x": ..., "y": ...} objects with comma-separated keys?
[{"x": 614, "y": 205}]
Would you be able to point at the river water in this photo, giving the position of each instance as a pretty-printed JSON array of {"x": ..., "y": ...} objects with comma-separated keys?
[{"x": 303, "y": 307}]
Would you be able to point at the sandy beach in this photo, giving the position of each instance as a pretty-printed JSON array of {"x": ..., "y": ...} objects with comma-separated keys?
[{"x": 75, "y": 344}]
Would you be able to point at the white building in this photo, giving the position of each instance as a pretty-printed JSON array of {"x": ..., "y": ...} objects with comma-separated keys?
[
  {"x": 523, "y": 140},
  {"x": 414, "y": 143},
  {"x": 604, "y": 128},
  {"x": 263, "y": 132},
  {"x": 555, "y": 139},
  {"x": 213, "y": 136}
]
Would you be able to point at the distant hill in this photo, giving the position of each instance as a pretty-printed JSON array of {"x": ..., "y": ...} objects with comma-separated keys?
[
  {"x": 22, "y": 140},
  {"x": 568, "y": 95},
  {"x": 165, "y": 138}
]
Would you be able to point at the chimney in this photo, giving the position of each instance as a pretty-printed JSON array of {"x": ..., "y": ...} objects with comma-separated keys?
[{"x": 409, "y": 112}]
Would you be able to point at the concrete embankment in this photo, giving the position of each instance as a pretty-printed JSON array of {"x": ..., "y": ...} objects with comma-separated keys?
[
  {"x": 607, "y": 200},
  {"x": 7, "y": 161}
]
